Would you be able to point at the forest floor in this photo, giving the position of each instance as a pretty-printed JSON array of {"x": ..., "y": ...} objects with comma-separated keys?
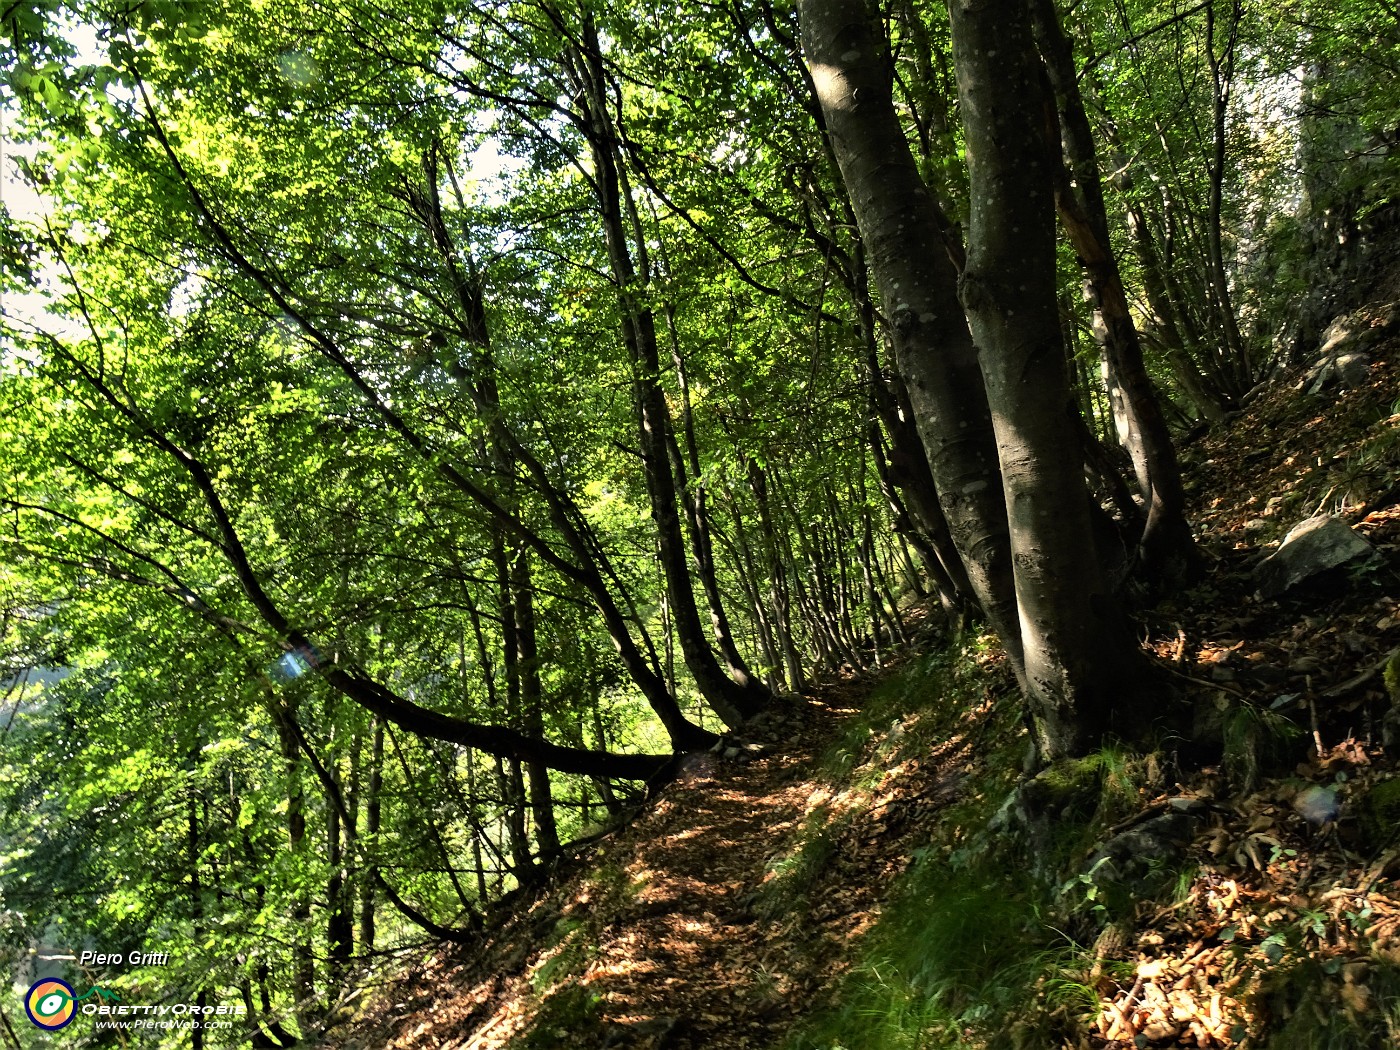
[
  {"x": 664, "y": 935},
  {"x": 735, "y": 907}
]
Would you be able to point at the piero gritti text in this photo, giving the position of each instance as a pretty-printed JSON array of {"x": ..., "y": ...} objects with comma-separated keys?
[{"x": 129, "y": 959}]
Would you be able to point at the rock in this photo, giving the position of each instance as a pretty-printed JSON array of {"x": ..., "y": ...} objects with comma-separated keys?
[
  {"x": 1310, "y": 548},
  {"x": 1390, "y": 729},
  {"x": 1343, "y": 358},
  {"x": 731, "y": 753},
  {"x": 1353, "y": 369},
  {"x": 1064, "y": 793},
  {"x": 1345, "y": 371},
  {"x": 1318, "y": 804},
  {"x": 1345, "y": 334},
  {"x": 1137, "y": 858}
]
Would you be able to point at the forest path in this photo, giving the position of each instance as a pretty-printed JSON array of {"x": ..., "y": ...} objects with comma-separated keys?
[
  {"x": 690, "y": 960},
  {"x": 721, "y": 916}
]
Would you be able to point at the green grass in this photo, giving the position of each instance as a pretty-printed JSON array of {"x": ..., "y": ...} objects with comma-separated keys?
[
  {"x": 960, "y": 959},
  {"x": 962, "y": 949},
  {"x": 969, "y": 950},
  {"x": 916, "y": 707}
]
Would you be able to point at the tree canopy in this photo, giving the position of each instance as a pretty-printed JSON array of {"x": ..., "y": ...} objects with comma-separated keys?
[{"x": 423, "y": 423}]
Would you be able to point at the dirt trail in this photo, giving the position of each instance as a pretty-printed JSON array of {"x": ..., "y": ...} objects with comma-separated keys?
[
  {"x": 668, "y": 935},
  {"x": 682, "y": 963},
  {"x": 664, "y": 937}
]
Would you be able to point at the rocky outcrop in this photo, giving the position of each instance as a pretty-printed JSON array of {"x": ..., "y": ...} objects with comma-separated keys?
[{"x": 1343, "y": 360}]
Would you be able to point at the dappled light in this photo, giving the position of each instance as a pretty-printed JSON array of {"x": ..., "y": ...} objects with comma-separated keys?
[{"x": 821, "y": 525}]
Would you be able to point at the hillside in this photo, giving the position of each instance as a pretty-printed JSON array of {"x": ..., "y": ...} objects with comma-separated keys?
[
  {"x": 784, "y": 524},
  {"x": 858, "y": 883}
]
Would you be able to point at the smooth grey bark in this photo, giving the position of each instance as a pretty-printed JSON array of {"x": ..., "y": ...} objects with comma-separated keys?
[
  {"x": 916, "y": 280},
  {"x": 908, "y": 469},
  {"x": 1078, "y": 653}
]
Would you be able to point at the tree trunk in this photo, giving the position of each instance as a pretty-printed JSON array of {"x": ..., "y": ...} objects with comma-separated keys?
[
  {"x": 1077, "y": 650},
  {"x": 532, "y": 703},
  {"x": 373, "y": 812},
  {"x": 692, "y": 486},
  {"x": 340, "y": 926},
  {"x": 733, "y": 702},
  {"x": 192, "y": 840},
  {"x": 900, "y": 229},
  {"x": 1222, "y": 69},
  {"x": 1167, "y": 549},
  {"x": 303, "y": 967}
]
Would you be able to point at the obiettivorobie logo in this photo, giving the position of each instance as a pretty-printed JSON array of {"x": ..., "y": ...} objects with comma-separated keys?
[{"x": 51, "y": 1004}]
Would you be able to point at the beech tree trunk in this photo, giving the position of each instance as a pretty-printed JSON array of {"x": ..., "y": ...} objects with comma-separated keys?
[
  {"x": 303, "y": 965},
  {"x": 1078, "y": 653},
  {"x": 532, "y": 703},
  {"x": 692, "y": 485},
  {"x": 340, "y": 831},
  {"x": 373, "y": 811},
  {"x": 900, "y": 229},
  {"x": 734, "y": 702}
]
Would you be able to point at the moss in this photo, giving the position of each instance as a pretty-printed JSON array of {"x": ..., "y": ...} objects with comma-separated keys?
[
  {"x": 1069, "y": 790},
  {"x": 1378, "y": 813},
  {"x": 1392, "y": 678},
  {"x": 1070, "y": 775}
]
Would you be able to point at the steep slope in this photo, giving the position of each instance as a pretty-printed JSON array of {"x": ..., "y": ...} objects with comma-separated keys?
[
  {"x": 863, "y": 879},
  {"x": 721, "y": 916}
]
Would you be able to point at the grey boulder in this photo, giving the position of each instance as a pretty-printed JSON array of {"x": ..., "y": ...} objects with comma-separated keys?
[{"x": 1311, "y": 548}]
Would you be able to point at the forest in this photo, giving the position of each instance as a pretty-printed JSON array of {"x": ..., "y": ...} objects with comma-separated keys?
[{"x": 448, "y": 446}]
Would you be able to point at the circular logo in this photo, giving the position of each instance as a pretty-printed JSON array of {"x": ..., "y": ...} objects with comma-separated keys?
[{"x": 49, "y": 1003}]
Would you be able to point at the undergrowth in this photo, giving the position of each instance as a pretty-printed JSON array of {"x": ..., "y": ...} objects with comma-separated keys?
[
  {"x": 563, "y": 1002},
  {"x": 1005, "y": 930},
  {"x": 975, "y": 947}
]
